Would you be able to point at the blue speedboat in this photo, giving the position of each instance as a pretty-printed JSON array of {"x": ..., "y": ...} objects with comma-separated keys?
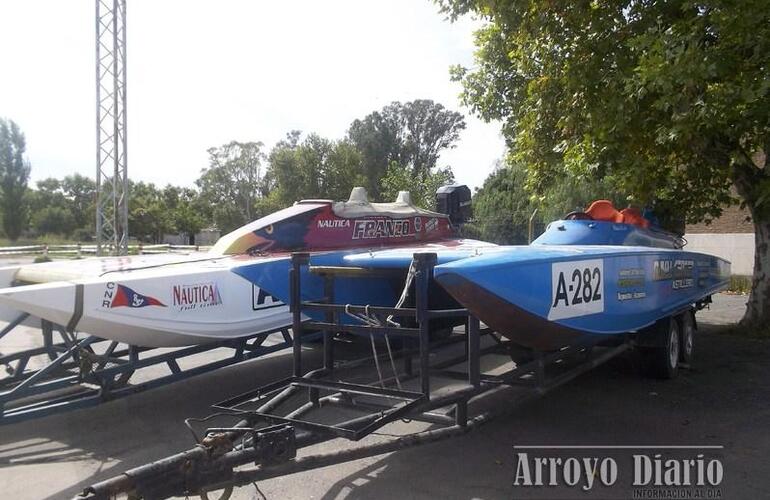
[
  {"x": 597, "y": 274},
  {"x": 582, "y": 278}
]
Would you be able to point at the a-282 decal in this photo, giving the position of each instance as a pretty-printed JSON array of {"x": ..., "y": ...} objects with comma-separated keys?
[{"x": 577, "y": 288}]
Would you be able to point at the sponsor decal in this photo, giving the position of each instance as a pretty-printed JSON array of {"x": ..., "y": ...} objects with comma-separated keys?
[
  {"x": 622, "y": 296},
  {"x": 629, "y": 278},
  {"x": 662, "y": 270},
  {"x": 417, "y": 224},
  {"x": 197, "y": 296},
  {"x": 431, "y": 225},
  {"x": 577, "y": 289},
  {"x": 680, "y": 271},
  {"x": 260, "y": 299},
  {"x": 381, "y": 228},
  {"x": 682, "y": 283},
  {"x": 672, "y": 269},
  {"x": 116, "y": 295},
  {"x": 333, "y": 223}
]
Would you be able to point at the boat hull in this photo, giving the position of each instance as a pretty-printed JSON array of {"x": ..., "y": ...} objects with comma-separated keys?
[
  {"x": 545, "y": 297},
  {"x": 169, "y": 305},
  {"x": 381, "y": 287}
]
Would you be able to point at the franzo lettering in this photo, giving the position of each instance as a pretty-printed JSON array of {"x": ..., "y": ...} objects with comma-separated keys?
[{"x": 381, "y": 228}]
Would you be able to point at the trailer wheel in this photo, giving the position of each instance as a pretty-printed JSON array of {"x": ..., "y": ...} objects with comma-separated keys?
[
  {"x": 687, "y": 338},
  {"x": 662, "y": 361}
]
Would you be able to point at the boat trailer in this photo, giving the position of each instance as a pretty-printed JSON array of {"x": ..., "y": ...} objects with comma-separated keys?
[
  {"x": 69, "y": 371},
  {"x": 440, "y": 387}
]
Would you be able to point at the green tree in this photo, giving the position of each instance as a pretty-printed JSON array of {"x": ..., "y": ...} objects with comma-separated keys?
[
  {"x": 48, "y": 193},
  {"x": 313, "y": 168},
  {"x": 343, "y": 170},
  {"x": 502, "y": 207},
  {"x": 411, "y": 134},
  {"x": 186, "y": 215},
  {"x": 148, "y": 216},
  {"x": 53, "y": 220},
  {"x": 422, "y": 187},
  {"x": 80, "y": 192},
  {"x": 233, "y": 182},
  {"x": 14, "y": 174},
  {"x": 668, "y": 100}
]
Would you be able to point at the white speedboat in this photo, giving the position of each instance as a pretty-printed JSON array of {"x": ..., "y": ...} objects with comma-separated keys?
[{"x": 172, "y": 300}]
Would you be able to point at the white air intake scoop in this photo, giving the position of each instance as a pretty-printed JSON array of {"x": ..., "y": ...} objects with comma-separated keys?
[
  {"x": 358, "y": 195},
  {"x": 404, "y": 197}
]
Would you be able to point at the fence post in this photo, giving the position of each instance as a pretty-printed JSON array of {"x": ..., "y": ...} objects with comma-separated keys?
[
  {"x": 45, "y": 250},
  {"x": 140, "y": 249},
  {"x": 80, "y": 253}
]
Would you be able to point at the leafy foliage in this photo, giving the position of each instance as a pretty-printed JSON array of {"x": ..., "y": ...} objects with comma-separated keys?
[
  {"x": 313, "y": 168},
  {"x": 148, "y": 216},
  {"x": 411, "y": 134},
  {"x": 14, "y": 174},
  {"x": 665, "y": 98},
  {"x": 80, "y": 192},
  {"x": 669, "y": 101},
  {"x": 187, "y": 214},
  {"x": 243, "y": 183},
  {"x": 62, "y": 206},
  {"x": 234, "y": 178},
  {"x": 421, "y": 186},
  {"x": 503, "y": 206},
  {"x": 53, "y": 220}
]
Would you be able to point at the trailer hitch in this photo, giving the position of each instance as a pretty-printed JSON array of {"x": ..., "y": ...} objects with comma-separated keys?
[
  {"x": 268, "y": 446},
  {"x": 275, "y": 445},
  {"x": 271, "y": 445}
]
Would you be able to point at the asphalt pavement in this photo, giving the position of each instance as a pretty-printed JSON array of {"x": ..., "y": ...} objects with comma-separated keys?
[{"x": 723, "y": 400}]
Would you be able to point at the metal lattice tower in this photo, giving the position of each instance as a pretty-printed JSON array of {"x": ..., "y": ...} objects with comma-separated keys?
[{"x": 111, "y": 152}]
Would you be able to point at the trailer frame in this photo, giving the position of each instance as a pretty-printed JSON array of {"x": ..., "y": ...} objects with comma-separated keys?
[
  {"x": 82, "y": 371},
  {"x": 270, "y": 439}
]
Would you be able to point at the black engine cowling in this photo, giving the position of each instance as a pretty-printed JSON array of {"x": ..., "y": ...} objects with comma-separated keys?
[{"x": 455, "y": 201}]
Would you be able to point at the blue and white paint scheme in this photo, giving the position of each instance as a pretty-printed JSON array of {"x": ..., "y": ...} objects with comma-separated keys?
[
  {"x": 580, "y": 278},
  {"x": 553, "y": 291}
]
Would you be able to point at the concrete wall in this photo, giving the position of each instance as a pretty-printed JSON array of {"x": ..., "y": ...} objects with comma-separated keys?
[
  {"x": 734, "y": 219},
  {"x": 206, "y": 237},
  {"x": 738, "y": 248}
]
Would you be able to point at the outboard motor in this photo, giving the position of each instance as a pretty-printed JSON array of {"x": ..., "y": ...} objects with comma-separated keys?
[{"x": 455, "y": 201}]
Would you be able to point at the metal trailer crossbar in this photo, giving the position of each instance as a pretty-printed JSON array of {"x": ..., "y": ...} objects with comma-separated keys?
[
  {"x": 282, "y": 418},
  {"x": 70, "y": 371}
]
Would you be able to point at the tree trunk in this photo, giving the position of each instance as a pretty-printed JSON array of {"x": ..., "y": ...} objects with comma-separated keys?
[
  {"x": 758, "y": 307},
  {"x": 750, "y": 182}
]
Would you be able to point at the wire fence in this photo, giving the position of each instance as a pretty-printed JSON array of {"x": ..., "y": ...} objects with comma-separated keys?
[{"x": 78, "y": 250}]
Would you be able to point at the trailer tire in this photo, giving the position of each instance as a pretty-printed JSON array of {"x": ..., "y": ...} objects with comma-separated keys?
[
  {"x": 687, "y": 337},
  {"x": 662, "y": 361}
]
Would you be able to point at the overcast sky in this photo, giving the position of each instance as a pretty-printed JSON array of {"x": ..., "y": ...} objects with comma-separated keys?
[{"x": 202, "y": 73}]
